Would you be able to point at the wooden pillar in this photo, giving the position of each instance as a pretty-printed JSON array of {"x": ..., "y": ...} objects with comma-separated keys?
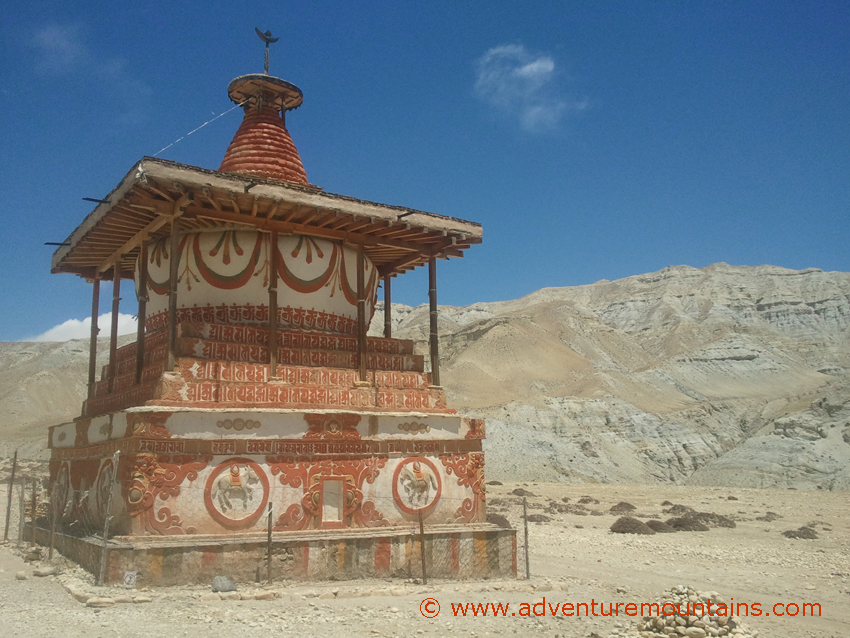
[
  {"x": 174, "y": 269},
  {"x": 113, "y": 334},
  {"x": 432, "y": 298},
  {"x": 142, "y": 296},
  {"x": 95, "y": 300},
  {"x": 273, "y": 265},
  {"x": 388, "y": 308},
  {"x": 361, "y": 313}
]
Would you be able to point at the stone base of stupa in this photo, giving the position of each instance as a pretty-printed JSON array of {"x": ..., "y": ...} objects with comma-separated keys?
[
  {"x": 479, "y": 551},
  {"x": 199, "y": 460}
]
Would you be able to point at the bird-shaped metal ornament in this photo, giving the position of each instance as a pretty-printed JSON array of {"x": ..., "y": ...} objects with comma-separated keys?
[{"x": 268, "y": 39}]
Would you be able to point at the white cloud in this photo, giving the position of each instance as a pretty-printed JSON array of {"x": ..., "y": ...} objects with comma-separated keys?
[
  {"x": 62, "y": 50},
  {"x": 522, "y": 85},
  {"x": 60, "y": 47},
  {"x": 77, "y": 329}
]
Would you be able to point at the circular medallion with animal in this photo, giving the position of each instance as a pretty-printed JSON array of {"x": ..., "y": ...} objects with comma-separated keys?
[
  {"x": 236, "y": 493},
  {"x": 416, "y": 485}
]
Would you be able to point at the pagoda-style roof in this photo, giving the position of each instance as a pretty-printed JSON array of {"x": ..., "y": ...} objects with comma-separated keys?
[{"x": 155, "y": 191}]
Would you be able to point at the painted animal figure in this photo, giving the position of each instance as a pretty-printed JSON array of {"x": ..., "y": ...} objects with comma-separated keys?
[
  {"x": 237, "y": 484},
  {"x": 417, "y": 484}
]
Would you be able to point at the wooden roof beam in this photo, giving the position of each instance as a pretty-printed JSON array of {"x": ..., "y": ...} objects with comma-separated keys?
[
  {"x": 210, "y": 197},
  {"x": 273, "y": 210},
  {"x": 144, "y": 233},
  {"x": 295, "y": 228}
]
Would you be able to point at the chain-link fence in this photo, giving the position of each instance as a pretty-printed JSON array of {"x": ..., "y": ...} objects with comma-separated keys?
[{"x": 22, "y": 500}]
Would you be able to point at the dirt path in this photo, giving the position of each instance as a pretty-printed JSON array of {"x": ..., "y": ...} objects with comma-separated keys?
[{"x": 752, "y": 563}]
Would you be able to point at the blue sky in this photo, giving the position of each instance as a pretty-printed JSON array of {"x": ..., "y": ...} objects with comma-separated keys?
[{"x": 593, "y": 140}]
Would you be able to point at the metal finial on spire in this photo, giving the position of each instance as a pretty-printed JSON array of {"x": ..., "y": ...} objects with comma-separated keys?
[{"x": 268, "y": 39}]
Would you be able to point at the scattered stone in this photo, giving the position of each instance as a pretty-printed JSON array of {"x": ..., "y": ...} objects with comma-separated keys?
[
  {"x": 666, "y": 503},
  {"x": 210, "y": 597},
  {"x": 538, "y": 518},
  {"x": 622, "y": 506},
  {"x": 521, "y": 492},
  {"x": 499, "y": 520},
  {"x": 79, "y": 595},
  {"x": 629, "y": 525},
  {"x": 683, "y": 617},
  {"x": 494, "y": 483},
  {"x": 585, "y": 500},
  {"x": 50, "y": 570},
  {"x": 223, "y": 584},
  {"x": 804, "y": 532},
  {"x": 264, "y": 595},
  {"x": 123, "y": 599},
  {"x": 142, "y": 599},
  {"x": 687, "y": 524},
  {"x": 329, "y": 595},
  {"x": 20, "y": 575},
  {"x": 100, "y": 603},
  {"x": 565, "y": 508},
  {"x": 711, "y": 519},
  {"x": 660, "y": 527},
  {"x": 32, "y": 555},
  {"x": 230, "y": 595},
  {"x": 731, "y": 498},
  {"x": 768, "y": 517}
]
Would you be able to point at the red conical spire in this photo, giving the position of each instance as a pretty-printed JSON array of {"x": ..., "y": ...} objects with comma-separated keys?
[{"x": 262, "y": 145}]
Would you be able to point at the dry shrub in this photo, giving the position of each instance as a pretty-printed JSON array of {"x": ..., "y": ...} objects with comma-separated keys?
[
  {"x": 622, "y": 506},
  {"x": 711, "y": 519},
  {"x": 678, "y": 510},
  {"x": 768, "y": 517},
  {"x": 806, "y": 533},
  {"x": 660, "y": 527},
  {"x": 498, "y": 519},
  {"x": 629, "y": 525},
  {"x": 687, "y": 524}
]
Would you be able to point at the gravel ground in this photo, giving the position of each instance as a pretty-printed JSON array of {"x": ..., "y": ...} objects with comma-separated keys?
[{"x": 574, "y": 558}]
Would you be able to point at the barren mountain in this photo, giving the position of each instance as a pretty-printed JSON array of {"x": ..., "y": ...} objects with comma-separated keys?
[
  {"x": 723, "y": 374},
  {"x": 718, "y": 375}
]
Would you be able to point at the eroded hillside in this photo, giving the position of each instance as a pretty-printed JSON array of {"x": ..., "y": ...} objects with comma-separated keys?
[{"x": 723, "y": 375}]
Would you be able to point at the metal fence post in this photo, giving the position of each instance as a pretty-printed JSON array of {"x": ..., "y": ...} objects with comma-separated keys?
[
  {"x": 269, "y": 548},
  {"x": 33, "y": 507},
  {"x": 52, "y": 511},
  {"x": 525, "y": 525},
  {"x": 422, "y": 548},
  {"x": 9, "y": 496},
  {"x": 22, "y": 509}
]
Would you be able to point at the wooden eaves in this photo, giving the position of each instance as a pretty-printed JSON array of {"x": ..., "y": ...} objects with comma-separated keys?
[{"x": 155, "y": 191}]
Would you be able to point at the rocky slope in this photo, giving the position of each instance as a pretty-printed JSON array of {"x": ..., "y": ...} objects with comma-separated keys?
[
  {"x": 719, "y": 375},
  {"x": 686, "y": 374}
]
